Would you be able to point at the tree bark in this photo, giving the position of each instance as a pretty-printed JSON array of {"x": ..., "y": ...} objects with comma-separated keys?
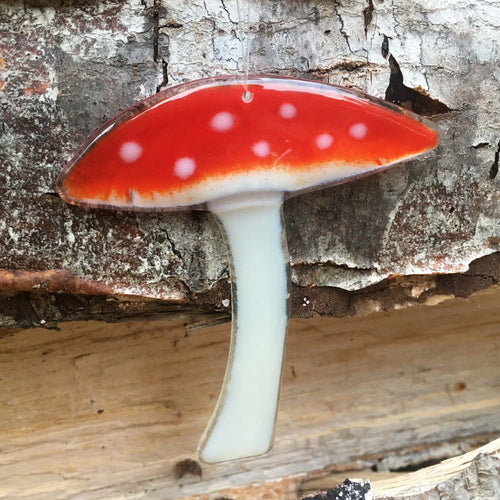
[
  {"x": 456, "y": 479},
  {"x": 68, "y": 66}
]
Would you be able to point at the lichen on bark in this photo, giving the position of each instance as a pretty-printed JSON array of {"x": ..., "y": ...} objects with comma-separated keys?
[{"x": 68, "y": 66}]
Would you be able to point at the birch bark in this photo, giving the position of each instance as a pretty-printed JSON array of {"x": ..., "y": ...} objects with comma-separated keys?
[{"x": 66, "y": 67}]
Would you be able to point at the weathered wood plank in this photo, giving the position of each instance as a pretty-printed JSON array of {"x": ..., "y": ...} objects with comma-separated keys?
[{"x": 103, "y": 411}]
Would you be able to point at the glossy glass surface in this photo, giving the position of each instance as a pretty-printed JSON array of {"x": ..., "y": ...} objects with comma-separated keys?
[
  {"x": 242, "y": 423},
  {"x": 202, "y": 141},
  {"x": 236, "y": 146}
]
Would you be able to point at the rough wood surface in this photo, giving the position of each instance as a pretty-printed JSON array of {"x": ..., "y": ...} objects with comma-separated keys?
[
  {"x": 67, "y": 66},
  {"x": 474, "y": 475},
  {"x": 97, "y": 410}
]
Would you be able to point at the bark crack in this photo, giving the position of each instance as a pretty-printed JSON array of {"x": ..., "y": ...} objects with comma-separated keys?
[
  {"x": 164, "y": 69},
  {"x": 342, "y": 30},
  {"x": 159, "y": 59},
  {"x": 368, "y": 16},
  {"x": 227, "y": 12},
  {"x": 494, "y": 165},
  {"x": 156, "y": 28},
  {"x": 174, "y": 249},
  {"x": 417, "y": 100}
]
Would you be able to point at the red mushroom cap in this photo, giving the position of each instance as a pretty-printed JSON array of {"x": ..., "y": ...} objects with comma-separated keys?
[{"x": 201, "y": 141}]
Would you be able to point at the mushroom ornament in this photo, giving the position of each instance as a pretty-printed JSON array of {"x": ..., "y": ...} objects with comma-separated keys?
[{"x": 238, "y": 147}]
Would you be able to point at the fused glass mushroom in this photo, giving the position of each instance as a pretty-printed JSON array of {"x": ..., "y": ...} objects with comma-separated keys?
[{"x": 207, "y": 145}]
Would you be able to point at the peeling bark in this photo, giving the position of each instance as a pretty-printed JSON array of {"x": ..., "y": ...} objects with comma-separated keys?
[
  {"x": 478, "y": 481},
  {"x": 68, "y": 66},
  {"x": 474, "y": 475},
  {"x": 49, "y": 297}
]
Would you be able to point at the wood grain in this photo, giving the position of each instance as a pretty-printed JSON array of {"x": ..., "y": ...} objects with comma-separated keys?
[
  {"x": 467, "y": 476},
  {"x": 106, "y": 411},
  {"x": 465, "y": 467}
]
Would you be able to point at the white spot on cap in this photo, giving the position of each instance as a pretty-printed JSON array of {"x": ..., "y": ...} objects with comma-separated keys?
[
  {"x": 130, "y": 151},
  {"x": 184, "y": 167},
  {"x": 358, "y": 130},
  {"x": 261, "y": 149},
  {"x": 288, "y": 111},
  {"x": 222, "y": 122},
  {"x": 324, "y": 141}
]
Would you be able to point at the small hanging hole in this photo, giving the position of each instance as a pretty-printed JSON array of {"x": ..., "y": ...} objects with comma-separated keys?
[{"x": 247, "y": 96}]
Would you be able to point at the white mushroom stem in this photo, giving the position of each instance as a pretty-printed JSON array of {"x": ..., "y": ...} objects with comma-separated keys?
[{"x": 242, "y": 424}]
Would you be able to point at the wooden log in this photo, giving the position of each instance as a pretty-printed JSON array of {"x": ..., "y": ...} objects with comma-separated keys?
[
  {"x": 473, "y": 475},
  {"x": 99, "y": 410}
]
